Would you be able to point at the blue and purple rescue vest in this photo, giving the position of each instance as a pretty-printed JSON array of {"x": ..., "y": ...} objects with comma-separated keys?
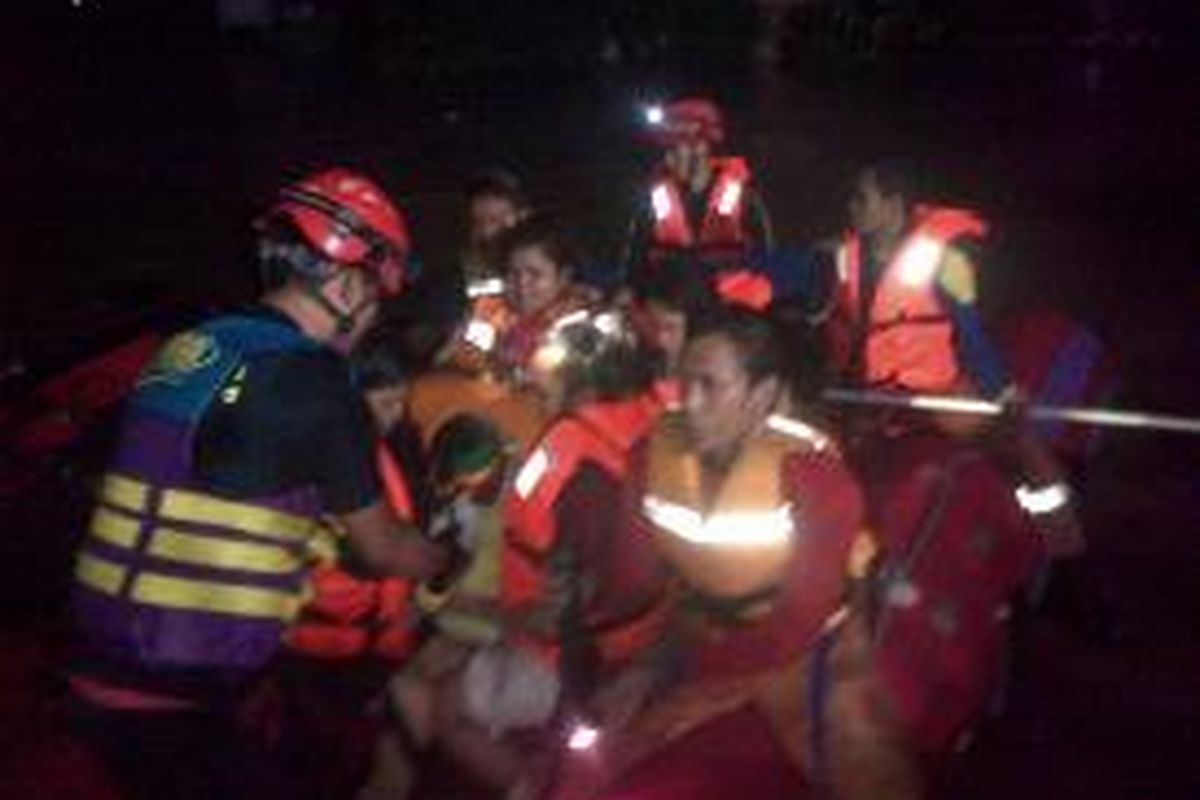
[{"x": 170, "y": 575}]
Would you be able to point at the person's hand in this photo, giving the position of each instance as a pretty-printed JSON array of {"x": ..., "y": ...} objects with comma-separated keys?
[{"x": 618, "y": 702}]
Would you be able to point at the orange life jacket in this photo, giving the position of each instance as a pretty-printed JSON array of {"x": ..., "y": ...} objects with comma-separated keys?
[
  {"x": 907, "y": 338},
  {"x": 740, "y": 545},
  {"x": 722, "y": 232},
  {"x": 601, "y": 434},
  {"x": 349, "y": 616},
  {"x": 437, "y": 397}
]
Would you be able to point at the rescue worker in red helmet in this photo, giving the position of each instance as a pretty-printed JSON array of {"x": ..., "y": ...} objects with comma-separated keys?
[
  {"x": 756, "y": 515},
  {"x": 242, "y": 434},
  {"x": 579, "y": 595},
  {"x": 501, "y": 331},
  {"x": 697, "y": 202}
]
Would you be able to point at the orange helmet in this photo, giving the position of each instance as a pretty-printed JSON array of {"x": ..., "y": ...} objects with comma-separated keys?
[
  {"x": 346, "y": 218},
  {"x": 686, "y": 119}
]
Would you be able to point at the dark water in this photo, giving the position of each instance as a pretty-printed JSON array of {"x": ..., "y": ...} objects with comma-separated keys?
[{"x": 132, "y": 165}]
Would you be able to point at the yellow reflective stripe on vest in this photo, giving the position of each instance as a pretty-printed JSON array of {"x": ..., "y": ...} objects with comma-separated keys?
[
  {"x": 124, "y": 492},
  {"x": 116, "y": 529},
  {"x": 208, "y": 551},
  {"x": 191, "y": 595},
  {"x": 99, "y": 574},
  {"x": 185, "y": 506}
]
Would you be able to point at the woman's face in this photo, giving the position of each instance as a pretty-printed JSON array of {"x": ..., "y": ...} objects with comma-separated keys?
[
  {"x": 534, "y": 281},
  {"x": 491, "y": 215}
]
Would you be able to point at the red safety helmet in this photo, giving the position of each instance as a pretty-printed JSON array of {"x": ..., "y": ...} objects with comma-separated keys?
[
  {"x": 349, "y": 220},
  {"x": 686, "y": 119}
]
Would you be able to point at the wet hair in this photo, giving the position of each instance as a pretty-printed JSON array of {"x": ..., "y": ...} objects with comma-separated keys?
[
  {"x": 754, "y": 336},
  {"x": 894, "y": 176},
  {"x": 497, "y": 182},
  {"x": 383, "y": 359},
  {"x": 680, "y": 284},
  {"x": 284, "y": 253},
  {"x": 544, "y": 233}
]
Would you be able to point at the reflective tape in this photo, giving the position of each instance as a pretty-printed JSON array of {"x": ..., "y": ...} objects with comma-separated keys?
[
  {"x": 730, "y": 195},
  {"x": 186, "y": 506},
  {"x": 660, "y": 199},
  {"x": 115, "y": 529},
  {"x": 1043, "y": 499},
  {"x": 191, "y": 595},
  {"x": 485, "y": 287},
  {"x": 531, "y": 473},
  {"x": 210, "y": 551},
  {"x": 919, "y": 261},
  {"x": 99, "y": 574},
  {"x": 124, "y": 492},
  {"x": 798, "y": 430},
  {"x": 750, "y": 528},
  {"x": 481, "y": 334}
]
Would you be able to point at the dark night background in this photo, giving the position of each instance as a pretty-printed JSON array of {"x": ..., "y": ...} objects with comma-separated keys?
[{"x": 138, "y": 137}]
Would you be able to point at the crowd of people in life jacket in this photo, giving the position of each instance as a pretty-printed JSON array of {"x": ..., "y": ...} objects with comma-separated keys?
[{"x": 583, "y": 542}]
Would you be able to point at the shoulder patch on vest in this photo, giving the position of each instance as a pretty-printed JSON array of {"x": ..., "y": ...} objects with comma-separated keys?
[
  {"x": 182, "y": 355},
  {"x": 957, "y": 276}
]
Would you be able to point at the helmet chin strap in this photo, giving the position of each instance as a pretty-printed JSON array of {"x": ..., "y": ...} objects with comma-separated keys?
[{"x": 343, "y": 319}]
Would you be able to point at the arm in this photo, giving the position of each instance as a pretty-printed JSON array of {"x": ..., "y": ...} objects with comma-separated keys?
[
  {"x": 387, "y": 546},
  {"x": 976, "y": 351}
]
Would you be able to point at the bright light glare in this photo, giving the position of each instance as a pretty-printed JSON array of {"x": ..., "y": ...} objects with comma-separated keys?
[
  {"x": 655, "y": 115},
  {"x": 583, "y": 737}
]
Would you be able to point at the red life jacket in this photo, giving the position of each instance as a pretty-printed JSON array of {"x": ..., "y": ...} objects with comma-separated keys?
[
  {"x": 743, "y": 287},
  {"x": 601, "y": 434},
  {"x": 722, "y": 234},
  {"x": 348, "y": 616},
  {"x": 907, "y": 338},
  {"x": 956, "y": 549}
]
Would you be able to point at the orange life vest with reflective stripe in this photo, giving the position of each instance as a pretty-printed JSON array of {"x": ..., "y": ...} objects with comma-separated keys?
[
  {"x": 722, "y": 232},
  {"x": 907, "y": 338},
  {"x": 739, "y": 545},
  {"x": 349, "y": 616},
  {"x": 602, "y": 434}
]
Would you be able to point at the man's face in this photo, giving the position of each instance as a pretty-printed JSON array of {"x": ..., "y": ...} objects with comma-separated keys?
[
  {"x": 721, "y": 406},
  {"x": 667, "y": 331},
  {"x": 871, "y": 211},
  {"x": 685, "y": 157},
  {"x": 491, "y": 215},
  {"x": 356, "y": 294},
  {"x": 534, "y": 281}
]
